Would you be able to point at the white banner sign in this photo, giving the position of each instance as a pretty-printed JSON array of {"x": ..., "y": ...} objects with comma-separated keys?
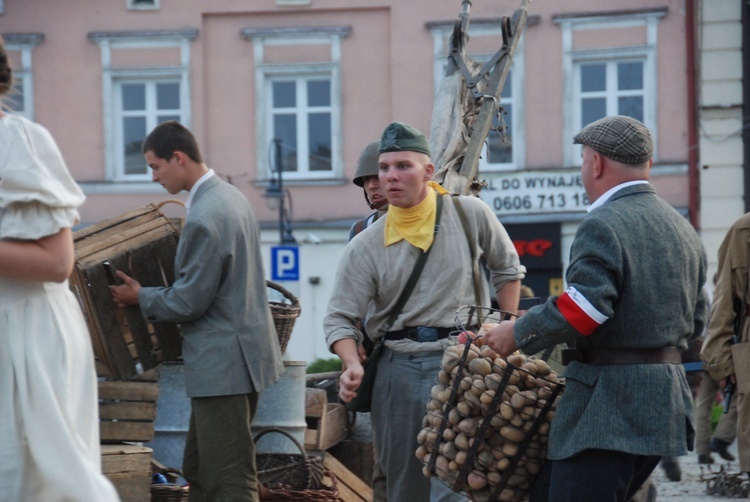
[{"x": 533, "y": 192}]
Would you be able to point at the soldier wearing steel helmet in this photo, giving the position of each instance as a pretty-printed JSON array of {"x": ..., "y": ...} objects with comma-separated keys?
[{"x": 367, "y": 178}]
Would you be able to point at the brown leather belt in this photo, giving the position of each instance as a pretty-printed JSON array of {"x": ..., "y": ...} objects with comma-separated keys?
[{"x": 660, "y": 355}]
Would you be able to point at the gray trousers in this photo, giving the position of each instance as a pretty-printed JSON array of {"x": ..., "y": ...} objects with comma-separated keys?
[
  {"x": 219, "y": 458},
  {"x": 726, "y": 430},
  {"x": 400, "y": 396}
]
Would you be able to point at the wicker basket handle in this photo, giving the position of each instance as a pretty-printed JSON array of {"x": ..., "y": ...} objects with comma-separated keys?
[
  {"x": 158, "y": 205},
  {"x": 285, "y": 433},
  {"x": 288, "y": 295}
]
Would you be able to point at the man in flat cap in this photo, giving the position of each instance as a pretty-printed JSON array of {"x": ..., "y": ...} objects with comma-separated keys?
[
  {"x": 634, "y": 299},
  {"x": 420, "y": 217}
]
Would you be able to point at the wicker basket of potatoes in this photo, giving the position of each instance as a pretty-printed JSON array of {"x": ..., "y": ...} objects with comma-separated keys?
[{"x": 486, "y": 425}]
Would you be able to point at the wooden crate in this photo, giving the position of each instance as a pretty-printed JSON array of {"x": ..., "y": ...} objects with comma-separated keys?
[
  {"x": 128, "y": 467},
  {"x": 127, "y": 411},
  {"x": 326, "y": 422},
  {"x": 142, "y": 243},
  {"x": 351, "y": 488}
]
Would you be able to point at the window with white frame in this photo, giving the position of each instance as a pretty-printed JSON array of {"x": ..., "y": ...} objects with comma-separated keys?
[
  {"x": 15, "y": 100},
  {"x": 300, "y": 115},
  {"x": 614, "y": 87},
  {"x": 504, "y": 147},
  {"x": 143, "y": 4},
  {"x": 137, "y": 99},
  {"x": 498, "y": 150},
  {"x": 140, "y": 105},
  {"x": 21, "y": 98},
  {"x": 610, "y": 80},
  {"x": 299, "y": 103}
]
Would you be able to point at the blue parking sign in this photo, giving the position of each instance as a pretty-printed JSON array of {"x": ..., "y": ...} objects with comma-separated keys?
[{"x": 285, "y": 263}]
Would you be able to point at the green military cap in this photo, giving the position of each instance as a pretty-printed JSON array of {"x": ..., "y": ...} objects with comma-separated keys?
[
  {"x": 620, "y": 138},
  {"x": 399, "y": 137}
]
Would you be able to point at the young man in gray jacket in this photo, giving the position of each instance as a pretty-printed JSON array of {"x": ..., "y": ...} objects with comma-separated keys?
[{"x": 229, "y": 347}]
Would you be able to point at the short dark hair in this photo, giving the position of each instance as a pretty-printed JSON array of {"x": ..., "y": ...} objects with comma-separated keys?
[{"x": 169, "y": 137}]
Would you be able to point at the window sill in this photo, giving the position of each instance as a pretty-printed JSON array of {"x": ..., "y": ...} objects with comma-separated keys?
[{"x": 121, "y": 188}]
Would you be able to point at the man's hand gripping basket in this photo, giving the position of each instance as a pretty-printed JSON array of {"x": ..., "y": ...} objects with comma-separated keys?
[{"x": 487, "y": 422}]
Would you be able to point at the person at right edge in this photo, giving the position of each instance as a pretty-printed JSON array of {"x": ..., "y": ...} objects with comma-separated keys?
[
  {"x": 726, "y": 350},
  {"x": 634, "y": 299}
]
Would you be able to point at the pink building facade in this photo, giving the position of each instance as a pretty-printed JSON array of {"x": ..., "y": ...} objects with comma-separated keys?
[{"x": 324, "y": 77}]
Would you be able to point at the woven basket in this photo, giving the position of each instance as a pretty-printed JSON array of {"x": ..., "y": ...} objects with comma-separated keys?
[
  {"x": 169, "y": 492},
  {"x": 284, "y": 314},
  {"x": 288, "y": 471},
  {"x": 329, "y": 492}
]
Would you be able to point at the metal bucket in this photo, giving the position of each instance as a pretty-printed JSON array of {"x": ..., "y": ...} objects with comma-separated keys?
[
  {"x": 172, "y": 416},
  {"x": 282, "y": 405}
]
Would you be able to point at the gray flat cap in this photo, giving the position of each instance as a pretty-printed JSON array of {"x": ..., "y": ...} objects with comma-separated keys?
[{"x": 620, "y": 138}]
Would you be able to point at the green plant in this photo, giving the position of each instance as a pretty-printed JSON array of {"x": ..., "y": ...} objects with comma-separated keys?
[
  {"x": 324, "y": 365},
  {"x": 716, "y": 412}
]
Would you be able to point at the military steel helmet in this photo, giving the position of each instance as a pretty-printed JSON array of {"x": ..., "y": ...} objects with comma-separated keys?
[{"x": 367, "y": 165}]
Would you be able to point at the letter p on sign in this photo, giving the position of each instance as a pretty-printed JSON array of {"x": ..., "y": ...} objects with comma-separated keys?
[{"x": 285, "y": 263}]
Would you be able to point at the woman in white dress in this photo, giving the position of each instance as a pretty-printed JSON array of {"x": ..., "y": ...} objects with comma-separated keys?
[{"x": 49, "y": 431}]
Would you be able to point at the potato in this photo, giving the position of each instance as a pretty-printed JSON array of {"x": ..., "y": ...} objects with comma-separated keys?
[
  {"x": 487, "y": 396},
  {"x": 518, "y": 401},
  {"x": 454, "y": 416},
  {"x": 436, "y": 390},
  {"x": 480, "y": 366},
  {"x": 468, "y": 426},
  {"x": 493, "y": 478},
  {"x": 499, "y": 365},
  {"x": 444, "y": 377},
  {"x": 421, "y": 452},
  {"x": 478, "y": 386},
  {"x": 529, "y": 367},
  {"x": 463, "y": 408},
  {"x": 512, "y": 433},
  {"x": 507, "y": 495},
  {"x": 449, "y": 434},
  {"x": 510, "y": 449},
  {"x": 492, "y": 381},
  {"x": 466, "y": 383},
  {"x": 462, "y": 441},
  {"x": 461, "y": 456},
  {"x": 506, "y": 410},
  {"x": 542, "y": 368},
  {"x": 476, "y": 480},
  {"x": 503, "y": 464},
  {"x": 487, "y": 352},
  {"x": 441, "y": 464},
  {"x": 485, "y": 459},
  {"x": 516, "y": 359},
  {"x": 518, "y": 420}
]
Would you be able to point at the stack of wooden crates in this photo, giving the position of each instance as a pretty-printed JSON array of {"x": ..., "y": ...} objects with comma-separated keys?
[{"x": 142, "y": 243}]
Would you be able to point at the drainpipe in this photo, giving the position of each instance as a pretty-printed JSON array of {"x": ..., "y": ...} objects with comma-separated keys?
[
  {"x": 746, "y": 100},
  {"x": 692, "y": 109}
]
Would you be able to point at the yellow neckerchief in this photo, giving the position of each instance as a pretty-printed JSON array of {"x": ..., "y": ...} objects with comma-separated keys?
[{"x": 415, "y": 224}]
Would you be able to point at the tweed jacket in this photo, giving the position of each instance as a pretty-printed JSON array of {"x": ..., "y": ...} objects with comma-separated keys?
[
  {"x": 219, "y": 297},
  {"x": 636, "y": 276},
  {"x": 722, "y": 357}
]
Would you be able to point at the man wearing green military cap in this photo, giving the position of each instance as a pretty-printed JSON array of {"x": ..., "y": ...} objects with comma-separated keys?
[{"x": 385, "y": 256}]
